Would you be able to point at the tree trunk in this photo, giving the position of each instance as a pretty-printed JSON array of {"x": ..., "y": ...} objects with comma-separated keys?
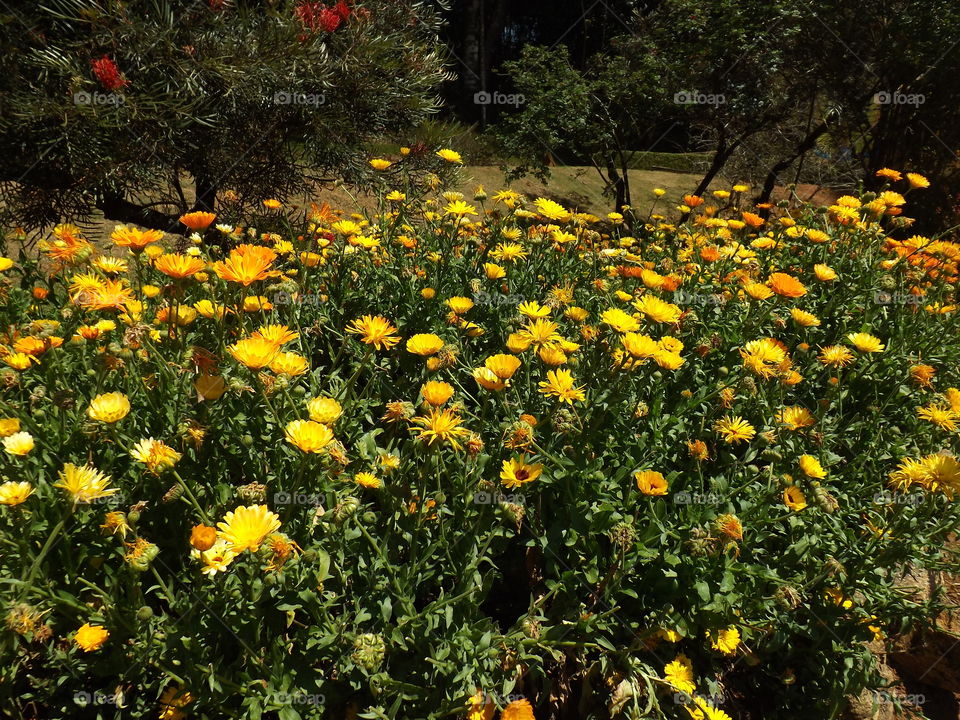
[
  {"x": 619, "y": 185},
  {"x": 206, "y": 192},
  {"x": 115, "y": 207},
  {"x": 805, "y": 146}
]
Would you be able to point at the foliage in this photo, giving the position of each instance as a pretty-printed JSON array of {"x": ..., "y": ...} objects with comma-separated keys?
[
  {"x": 246, "y": 99},
  {"x": 460, "y": 515}
]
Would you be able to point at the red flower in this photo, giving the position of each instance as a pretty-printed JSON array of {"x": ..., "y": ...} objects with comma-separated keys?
[
  {"x": 108, "y": 73},
  {"x": 316, "y": 16},
  {"x": 342, "y": 9},
  {"x": 216, "y": 5}
]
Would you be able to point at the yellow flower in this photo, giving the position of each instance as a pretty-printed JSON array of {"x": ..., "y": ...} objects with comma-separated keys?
[
  {"x": 14, "y": 493},
  {"x": 85, "y": 484},
  {"x": 247, "y": 527},
  {"x": 552, "y": 210},
  {"x": 836, "y": 356},
  {"x": 8, "y": 426},
  {"x": 480, "y": 707},
  {"x": 804, "y": 318},
  {"x": 198, "y": 220},
  {"x": 440, "y": 426},
  {"x": 424, "y": 344},
  {"x": 20, "y": 443},
  {"x": 309, "y": 436},
  {"x": 812, "y": 467},
  {"x": 115, "y": 522},
  {"x": 91, "y": 637},
  {"x": 217, "y": 558},
  {"x": 494, "y": 271},
  {"x": 367, "y": 480},
  {"x": 518, "y": 710},
  {"x": 940, "y": 415},
  {"x": 156, "y": 455},
  {"x": 516, "y": 472},
  {"x": 619, "y": 320},
  {"x": 734, "y": 429},
  {"x": 324, "y": 410},
  {"x": 289, "y": 363},
  {"x": 786, "y": 285},
  {"x": 679, "y": 674},
  {"x": 824, "y": 273},
  {"x": 254, "y": 352},
  {"x": 917, "y": 181},
  {"x": 109, "y": 407},
  {"x": 179, "y": 266},
  {"x": 865, "y": 342},
  {"x": 650, "y": 482},
  {"x": 380, "y": 164},
  {"x": 436, "y": 393},
  {"x": 758, "y": 291},
  {"x": 794, "y": 499},
  {"x": 795, "y": 417},
  {"x": 658, "y": 310},
  {"x": 560, "y": 384},
  {"x": 726, "y": 641},
  {"x": 19, "y": 361},
  {"x": 209, "y": 387},
  {"x": 374, "y": 330},
  {"x": 533, "y": 310},
  {"x": 488, "y": 379},
  {"x": 451, "y": 156},
  {"x": 459, "y": 209},
  {"x": 503, "y": 366}
]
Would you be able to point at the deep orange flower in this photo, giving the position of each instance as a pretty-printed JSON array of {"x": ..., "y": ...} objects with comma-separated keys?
[
  {"x": 198, "y": 221},
  {"x": 786, "y": 285},
  {"x": 247, "y": 264}
]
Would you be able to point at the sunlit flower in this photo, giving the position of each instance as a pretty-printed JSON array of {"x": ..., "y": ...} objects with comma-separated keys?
[
  {"x": 156, "y": 455},
  {"x": 794, "y": 499},
  {"x": 179, "y": 266},
  {"x": 786, "y": 285},
  {"x": 90, "y": 637},
  {"x": 811, "y": 467},
  {"x": 650, "y": 482},
  {"x": 309, "y": 436},
  {"x": 679, "y": 674},
  {"x": 561, "y": 384},
  {"x": 440, "y": 426},
  {"x": 247, "y": 264},
  {"x": 198, "y": 221},
  {"x": 836, "y": 356},
  {"x": 865, "y": 342},
  {"x": 734, "y": 429},
  {"x": 324, "y": 410},
  {"x": 247, "y": 527},
  {"x": 85, "y": 484},
  {"x": 726, "y": 641},
  {"x": 374, "y": 330},
  {"x": 516, "y": 472},
  {"x": 254, "y": 352},
  {"x": 424, "y": 344},
  {"x": 14, "y": 493}
]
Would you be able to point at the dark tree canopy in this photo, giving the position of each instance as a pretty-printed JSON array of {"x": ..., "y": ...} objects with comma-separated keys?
[{"x": 113, "y": 105}]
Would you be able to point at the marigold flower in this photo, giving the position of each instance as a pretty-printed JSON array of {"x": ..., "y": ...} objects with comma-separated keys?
[
  {"x": 289, "y": 363},
  {"x": 368, "y": 480},
  {"x": 156, "y": 455},
  {"x": 247, "y": 264},
  {"x": 309, "y": 436},
  {"x": 374, "y": 330},
  {"x": 650, "y": 482},
  {"x": 247, "y": 527},
  {"x": 198, "y": 221},
  {"x": 795, "y": 417},
  {"x": 794, "y": 498},
  {"x": 836, "y": 356},
  {"x": 518, "y": 710},
  {"x": 561, "y": 384},
  {"x": 440, "y": 426},
  {"x": 134, "y": 238},
  {"x": 179, "y": 266},
  {"x": 679, "y": 674},
  {"x": 726, "y": 641},
  {"x": 451, "y": 156},
  {"x": 786, "y": 285},
  {"x": 488, "y": 379},
  {"x": 502, "y": 365},
  {"x": 14, "y": 492},
  {"x": 85, "y": 484},
  {"x": 811, "y": 467},
  {"x": 516, "y": 472},
  {"x": 109, "y": 407},
  {"x": 734, "y": 429},
  {"x": 91, "y": 637},
  {"x": 324, "y": 410},
  {"x": 424, "y": 344},
  {"x": 254, "y": 352},
  {"x": 865, "y": 342}
]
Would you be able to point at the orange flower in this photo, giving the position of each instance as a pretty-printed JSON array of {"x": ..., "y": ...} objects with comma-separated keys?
[
  {"x": 202, "y": 537},
  {"x": 692, "y": 200},
  {"x": 752, "y": 219},
  {"x": 179, "y": 266},
  {"x": 134, "y": 238},
  {"x": 247, "y": 264},
  {"x": 198, "y": 220},
  {"x": 786, "y": 285}
]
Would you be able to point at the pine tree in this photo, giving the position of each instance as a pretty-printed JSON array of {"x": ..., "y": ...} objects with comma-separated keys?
[{"x": 120, "y": 106}]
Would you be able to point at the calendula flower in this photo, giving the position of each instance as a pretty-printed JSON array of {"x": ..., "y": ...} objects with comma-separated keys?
[
  {"x": 679, "y": 674},
  {"x": 516, "y": 472},
  {"x": 650, "y": 482},
  {"x": 198, "y": 221},
  {"x": 424, "y": 344},
  {"x": 289, "y": 363},
  {"x": 942, "y": 416},
  {"x": 552, "y": 210},
  {"x": 85, "y": 484},
  {"x": 865, "y": 342},
  {"x": 247, "y": 527},
  {"x": 786, "y": 285},
  {"x": 134, "y": 238},
  {"x": 115, "y": 523},
  {"x": 836, "y": 356},
  {"x": 324, "y": 410},
  {"x": 368, "y": 480},
  {"x": 917, "y": 181},
  {"x": 309, "y": 436},
  {"x": 734, "y": 429},
  {"x": 658, "y": 310},
  {"x": 436, "y": 393},
  {"x": 255, "y": 353},
  {"x": 247, "y": 264},
  {"x": 374, "y": 330},
  {"x": 451, "y": 156},
  {"x": 459, "y": 209},
  {"x": 380, "y": 164},
  {"x": 518, "y": 710},
  {"x": 811, "y": 467},
  {"x": 15, "y": 493},
  {"x": 561, "y": 384},
  {"x": 619, "y": 320},
  {"x": 726, "y": 641},
  {"x": 179, "y": 266},
  {"x": 90, "y": 637},
  {"x": 488, "y": 379},
  {"x": 156, "y": 455},
  {"x": 440, "y": 426},
  {"x": 804, "y": 318},
  {"x": 20, "y": 443},
  {"x": 203, "y": 537},
  {"x": 19, "y": 360},
  {"x": 794, "y": 498},
  {"x": 795, "y": 417}
]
